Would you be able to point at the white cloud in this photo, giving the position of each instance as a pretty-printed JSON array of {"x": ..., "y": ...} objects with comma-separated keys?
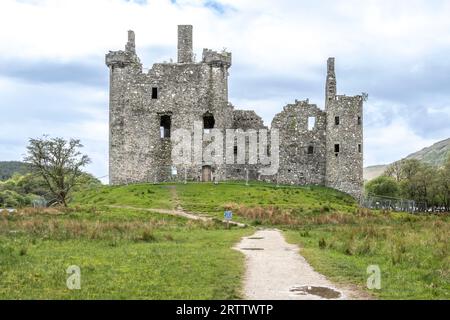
[
  {"x": 391, "y": 143},
  {"x": 283, "y": 33},
  {"x": 284, "y": 39},
  {"x": 69, "y": 111}
]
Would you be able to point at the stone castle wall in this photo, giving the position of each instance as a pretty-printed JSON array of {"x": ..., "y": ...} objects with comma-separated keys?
[
  {"x": 302, "y": 151},
  {"x": 176, "y": 95}
]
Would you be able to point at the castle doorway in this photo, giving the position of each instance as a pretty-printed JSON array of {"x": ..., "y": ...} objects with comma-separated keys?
[{"x": 206, "y": 173}]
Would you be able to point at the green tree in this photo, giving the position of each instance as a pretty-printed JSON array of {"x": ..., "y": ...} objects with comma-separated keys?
[
  {"x": 395, "y": 171},
  {"x": 383, "y": 186},
  {"x": 58, "y": 162}
]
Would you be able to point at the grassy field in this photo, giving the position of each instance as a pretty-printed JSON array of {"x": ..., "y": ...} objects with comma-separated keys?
[
  {"x": 412, "y": 252},
  {"x": 131, "y": 253},
  {"x": 341, "y": 240},
  {"x": 123, "y": 254}
]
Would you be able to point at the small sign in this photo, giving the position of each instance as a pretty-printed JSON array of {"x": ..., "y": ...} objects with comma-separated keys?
[{"x": 228, "y": 215}]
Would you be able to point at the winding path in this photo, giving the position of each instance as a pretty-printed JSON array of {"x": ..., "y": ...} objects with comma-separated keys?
[
  {"x": 178, "y": 213},
  {"x": 276, "y": 271}
]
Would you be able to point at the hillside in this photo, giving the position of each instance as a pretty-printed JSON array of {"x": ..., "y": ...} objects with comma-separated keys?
[
  {"x": 374, "y": 171},
  {"x": 434, "y": 155},
  {"x": 8, "y": 168}
]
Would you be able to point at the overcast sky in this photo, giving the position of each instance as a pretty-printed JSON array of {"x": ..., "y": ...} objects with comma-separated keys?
[{"x": 53, "y": 79}]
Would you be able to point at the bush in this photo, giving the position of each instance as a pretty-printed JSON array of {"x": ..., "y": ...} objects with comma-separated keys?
[
  {"x": 9, "y": 198},
  {"x": 322, "y": 243},
  {"x": 148, "y": 236},
  {"x": 383, "y": 186}
]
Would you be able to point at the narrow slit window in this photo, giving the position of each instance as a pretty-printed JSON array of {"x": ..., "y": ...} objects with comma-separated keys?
[
  {"x": 359, "y": 148},
  {"x": 164, "y": 126},
  {"x": 235, "y": 150},
  {"x": 337, "y": 121},
  {"x": 310, "y": 149},
  {"x": 154, "y": 93},
  {"x": 311, "y": 123},
  {"x": 359, "y": 120},
  {"x": 337, "y": 148}
]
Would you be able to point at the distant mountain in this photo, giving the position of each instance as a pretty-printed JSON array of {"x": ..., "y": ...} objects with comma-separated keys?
[
  {"x": 8, "y": 168},
  {"x": 373, "y": 172},
  {"x": 434, "y": 155}
]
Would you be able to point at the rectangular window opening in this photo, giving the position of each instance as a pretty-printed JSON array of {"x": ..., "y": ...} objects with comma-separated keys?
[
  {"x": 337, "y": 148},
  {"x": 359, "y": 148},
  {"x": 359, "y": 120},
  {"x": 336, "y": 121},
  {"x": 311, "y": 123},
  {"x": 154, "y": 93},
  {"x": 164, "y": 126},
  {"x": 310, "y": 150}
]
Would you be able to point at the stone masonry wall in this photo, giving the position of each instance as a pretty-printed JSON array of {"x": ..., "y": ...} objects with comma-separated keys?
[
  {"x": 302, "y": 149},
  {"x": 187, "y": 90}
]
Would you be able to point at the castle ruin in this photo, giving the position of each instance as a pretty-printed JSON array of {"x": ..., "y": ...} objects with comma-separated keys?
[{"x": 316, "y": 147}]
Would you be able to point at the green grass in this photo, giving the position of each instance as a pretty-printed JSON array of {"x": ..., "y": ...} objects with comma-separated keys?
[
  {"x": 413, "y": 253},
  {"x": 132, "y": 253},
  {"x": 141, "y": 195},
  {"x": 123, "y": 254},
  {"x": 298, "y": 201}
]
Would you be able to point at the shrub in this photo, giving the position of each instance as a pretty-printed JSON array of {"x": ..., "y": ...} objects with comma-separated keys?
[
  {"x": 148, "y": 236},
  {"x": 383, "y": 186},
  {"x": 23, "y": 251},
  {"x": 322, "y": 243}
]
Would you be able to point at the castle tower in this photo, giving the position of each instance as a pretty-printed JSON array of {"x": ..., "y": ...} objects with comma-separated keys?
[
  {"x": 123, "y": 66},
  {"x": 330, "y": 87},
  {"x": 185, "y": 53},
  {"x": 344, "y": 138}
]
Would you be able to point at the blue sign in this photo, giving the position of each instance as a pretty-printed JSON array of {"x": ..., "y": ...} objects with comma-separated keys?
[{"x": 228, "y": 215}]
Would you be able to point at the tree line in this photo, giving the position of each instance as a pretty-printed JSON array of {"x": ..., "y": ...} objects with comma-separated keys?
[{"x": 427, "y": 185}]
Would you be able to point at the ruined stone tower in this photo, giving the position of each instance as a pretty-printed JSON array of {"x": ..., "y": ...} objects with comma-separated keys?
[
  {"x": 344, "y": 143},
  {"x": 317, "y": 147}
]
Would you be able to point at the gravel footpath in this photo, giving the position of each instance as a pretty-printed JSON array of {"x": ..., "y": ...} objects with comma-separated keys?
[{"x": 276, "y": 271}]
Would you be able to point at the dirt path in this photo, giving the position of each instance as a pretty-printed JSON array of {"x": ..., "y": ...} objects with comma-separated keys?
[
  {"x": 178, "y": 211},
  {"x": 166, "y": 211},
  {"x": 276, "y": 270}
]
